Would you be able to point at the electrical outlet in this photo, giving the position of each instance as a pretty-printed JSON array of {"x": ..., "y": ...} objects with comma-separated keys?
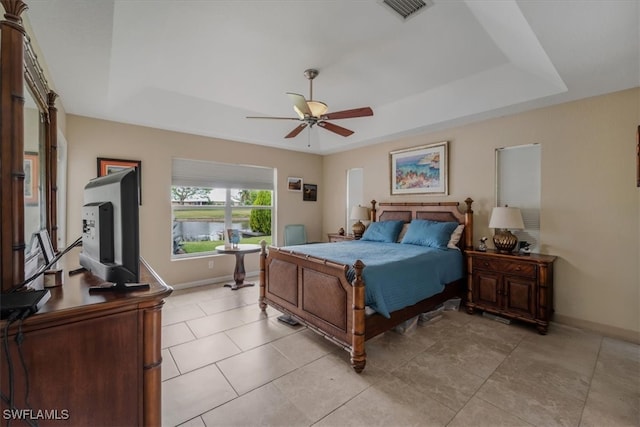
[{"x": 210, "y": 264}]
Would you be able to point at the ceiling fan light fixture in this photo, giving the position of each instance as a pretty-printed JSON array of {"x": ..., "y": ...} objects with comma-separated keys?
[{"x": 317, "y": 108}]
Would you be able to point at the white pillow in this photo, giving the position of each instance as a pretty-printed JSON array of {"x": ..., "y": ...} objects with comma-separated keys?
[
  {"x": 405, "y": 227},
  {"x": 455, "y": 237}
]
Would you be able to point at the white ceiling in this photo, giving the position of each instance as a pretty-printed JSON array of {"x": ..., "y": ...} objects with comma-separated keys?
[{"x": 201, "y": 67}]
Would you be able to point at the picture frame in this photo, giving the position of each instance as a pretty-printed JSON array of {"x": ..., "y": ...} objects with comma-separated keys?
[
  {"x": 310, "y": 192},
  {"x": 31, "y": 178},
  {"x": 45, "y": 246},
  {"x": 107, "y": 166},
  {"x": 420, "y": 170},
  {"x": 294, "y": 184}
]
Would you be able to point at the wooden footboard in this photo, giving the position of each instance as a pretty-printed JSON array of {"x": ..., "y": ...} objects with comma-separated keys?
[{"x": 318, "y": 294}]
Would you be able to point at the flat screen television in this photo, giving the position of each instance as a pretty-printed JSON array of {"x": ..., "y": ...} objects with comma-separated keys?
[{"x": 110, "y": 231}]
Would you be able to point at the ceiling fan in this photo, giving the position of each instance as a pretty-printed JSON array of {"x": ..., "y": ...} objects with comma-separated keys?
[{"x": 312, "y": 112}]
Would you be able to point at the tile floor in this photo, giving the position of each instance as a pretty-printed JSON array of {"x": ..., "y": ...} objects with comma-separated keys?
[{"x": 228, "y": 364}]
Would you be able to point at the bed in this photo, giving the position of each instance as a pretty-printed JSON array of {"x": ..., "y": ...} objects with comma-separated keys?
[{"x": 329, "y": 295}]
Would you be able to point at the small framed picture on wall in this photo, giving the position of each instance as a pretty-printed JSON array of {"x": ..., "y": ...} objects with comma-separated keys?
[
  {"x": 294, "y": 184},
  {"x": 310, "y": 193}
]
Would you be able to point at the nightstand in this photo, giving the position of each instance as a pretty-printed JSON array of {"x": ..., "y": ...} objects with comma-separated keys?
[
  {"x": 335, "y": 237},
  {"x": 511, "y": 285}
]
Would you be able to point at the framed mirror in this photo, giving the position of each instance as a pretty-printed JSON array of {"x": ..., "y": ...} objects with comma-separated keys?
[
  {"x": 28, "y": 141},
  {"x": 34, "y": 159}
]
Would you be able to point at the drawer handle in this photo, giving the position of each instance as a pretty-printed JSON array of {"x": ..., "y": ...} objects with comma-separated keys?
[
  {"x": 486, "y": 264},
  {"x": 518, "y": 268}
]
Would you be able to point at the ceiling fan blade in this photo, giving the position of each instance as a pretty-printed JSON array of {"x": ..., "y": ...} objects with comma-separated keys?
[
  {"x": 335, "y": 128},
  {"x": 296, "y": 131},
  {"x": 272, "y": 118},
  {"x": 348, "y": 114},
  {"x": 299, "y": 104}
]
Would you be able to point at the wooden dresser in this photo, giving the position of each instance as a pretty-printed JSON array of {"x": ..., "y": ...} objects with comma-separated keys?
[
  {"x": 513, "y": 286},
  {"x": 92, "y": 359}
]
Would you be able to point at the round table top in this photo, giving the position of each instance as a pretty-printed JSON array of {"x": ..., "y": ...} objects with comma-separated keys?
[{"x": 244, "y": 248}]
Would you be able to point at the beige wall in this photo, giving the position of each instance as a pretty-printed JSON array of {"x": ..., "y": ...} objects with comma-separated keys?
[
  {"x": 92, "y": 138},
  {"x": 590, "y": 202}
]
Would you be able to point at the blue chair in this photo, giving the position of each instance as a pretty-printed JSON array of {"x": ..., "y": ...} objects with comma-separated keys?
[{"x": 295, "y": 234}]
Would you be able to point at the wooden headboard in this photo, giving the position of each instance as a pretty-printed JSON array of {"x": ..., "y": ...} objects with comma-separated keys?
[{"x": 434, "y": 211}]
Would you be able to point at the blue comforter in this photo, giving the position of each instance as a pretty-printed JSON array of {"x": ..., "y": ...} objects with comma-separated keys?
[{"x": 396, "y": 275}]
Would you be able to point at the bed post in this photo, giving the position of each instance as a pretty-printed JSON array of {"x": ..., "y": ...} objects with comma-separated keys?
[
  {"x": 372, "y": 215},
  {"x": 263, "y": 262},
  {"x": 468, "y": 225},
  {"x": 358, "y": 355}
]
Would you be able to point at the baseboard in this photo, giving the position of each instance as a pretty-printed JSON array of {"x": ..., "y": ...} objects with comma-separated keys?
[
  {"x": 212, "y": 280},
  {"x": 606, "y": 330}
]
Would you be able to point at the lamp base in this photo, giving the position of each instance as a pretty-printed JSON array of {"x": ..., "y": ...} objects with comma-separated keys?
[
  {"x": 505, "y": 242},
  {"x": 358, "y": 229}
]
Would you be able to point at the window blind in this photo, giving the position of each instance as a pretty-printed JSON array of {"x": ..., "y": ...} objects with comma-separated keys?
[{"x": 200, "y": 173}]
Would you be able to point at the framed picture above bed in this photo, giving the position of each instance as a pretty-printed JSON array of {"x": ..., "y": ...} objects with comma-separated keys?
[{"x": 420, "y": 170}]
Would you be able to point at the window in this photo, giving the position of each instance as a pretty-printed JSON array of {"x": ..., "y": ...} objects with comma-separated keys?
[
  {"x": 518, "y": 185},
  {"x": 207, "y": 198}
]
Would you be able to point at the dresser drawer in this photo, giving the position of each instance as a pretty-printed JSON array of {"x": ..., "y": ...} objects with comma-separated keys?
[{"x": 505, "y": 266}]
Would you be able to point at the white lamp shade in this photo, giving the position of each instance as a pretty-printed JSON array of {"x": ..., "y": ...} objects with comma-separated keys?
[
  {"x": 359, "y": 212},
  {"x": 506, "y": 218}
]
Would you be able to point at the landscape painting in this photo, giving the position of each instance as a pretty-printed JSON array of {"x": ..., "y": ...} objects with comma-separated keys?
[{"x": 420, "y": 170}]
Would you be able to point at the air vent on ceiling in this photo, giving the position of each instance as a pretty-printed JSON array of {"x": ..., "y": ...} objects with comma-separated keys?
[{"x": 407, "y": 8}]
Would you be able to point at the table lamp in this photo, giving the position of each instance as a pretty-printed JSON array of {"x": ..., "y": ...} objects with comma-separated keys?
[
  {"x": 504, "y": 219},
  {"x": 359, "y": 213}
]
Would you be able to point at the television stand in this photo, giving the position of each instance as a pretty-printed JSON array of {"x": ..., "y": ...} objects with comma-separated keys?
[{"x": 119, "y": 287}]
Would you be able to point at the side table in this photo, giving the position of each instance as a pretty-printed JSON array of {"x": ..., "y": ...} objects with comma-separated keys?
[
  {"x": 514, "y": 286},
  {"x": 335, "y": 237},
  {"x": 238, "y": 273}
]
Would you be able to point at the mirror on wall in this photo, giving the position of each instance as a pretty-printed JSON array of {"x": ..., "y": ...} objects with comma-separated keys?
[
  {"x": 355, "y": 194},
  {"x": 61, "y": 181},
  {"x": 30, "y": 199},
  {"x": 518, "y": 185},
  {"x": 34, "y": 209}
]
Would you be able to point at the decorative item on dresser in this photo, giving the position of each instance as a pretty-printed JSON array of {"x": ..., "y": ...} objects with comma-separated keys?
[
  {"x": 513, "y": 286},
  {"x": 359, "y": 213},
  {"x": 337, "y": 237},
  {"x": 505, "y": 218},
  {"x": 328, "y": 292},
  {"x": 482, "y": 247}
]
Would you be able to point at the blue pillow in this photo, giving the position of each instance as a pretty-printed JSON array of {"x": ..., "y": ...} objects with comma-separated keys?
[
  {"x": 383, "y": 231},
  {"x": 424, "y": 232}
]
